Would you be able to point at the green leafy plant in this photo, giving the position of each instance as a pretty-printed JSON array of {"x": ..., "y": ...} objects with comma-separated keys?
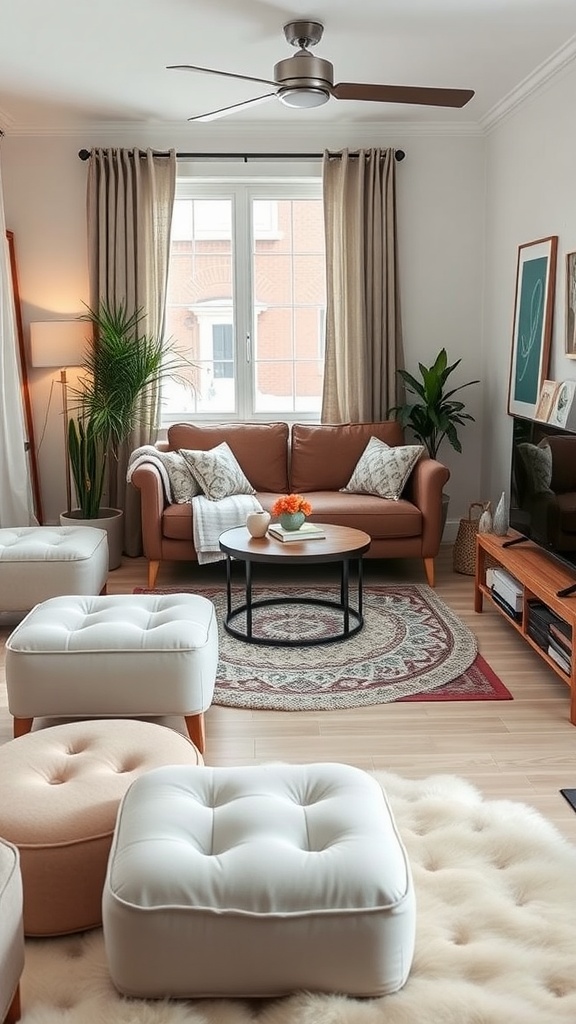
[
  {"x": 121, "y": 370},
  {"x": 435, "y": 414}
]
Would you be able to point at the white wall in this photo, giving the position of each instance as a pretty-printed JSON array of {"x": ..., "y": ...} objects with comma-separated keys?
[
  {"x": 530, "y": 180},
  {"x": 440, "y": 218}
]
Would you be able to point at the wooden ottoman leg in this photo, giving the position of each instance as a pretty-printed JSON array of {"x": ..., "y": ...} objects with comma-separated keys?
[
  {"x": 13, "y": 1014},
  {"x": 22, "y": 726},
  {"x": 196, "y": 730}
]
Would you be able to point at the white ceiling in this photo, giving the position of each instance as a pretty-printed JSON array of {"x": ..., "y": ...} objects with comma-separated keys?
[{"x": 66, "y": 65}]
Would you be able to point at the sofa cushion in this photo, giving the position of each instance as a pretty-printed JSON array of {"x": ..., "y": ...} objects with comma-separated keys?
[
  {"x": 260, "y": 448},
  {"x": 537, "y": 461},
  {"x": 323, "y": 456},
  {"x": 382, "y": 470},
  {"x": 183, "y": 485},
  {"x": 381, "y": 518},
  {"x": 563, "y": 463},
  {"x": 217, "y": 472}
]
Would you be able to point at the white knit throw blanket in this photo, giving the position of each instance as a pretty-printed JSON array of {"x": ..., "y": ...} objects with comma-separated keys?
[{"x": 211, "y": 518}]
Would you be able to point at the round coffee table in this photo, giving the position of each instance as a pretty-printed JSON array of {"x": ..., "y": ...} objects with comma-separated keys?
[{"x": 341, "y": 544}]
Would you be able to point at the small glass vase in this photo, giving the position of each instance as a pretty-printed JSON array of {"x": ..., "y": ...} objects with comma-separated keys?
[{"x": 292, "y": 520}]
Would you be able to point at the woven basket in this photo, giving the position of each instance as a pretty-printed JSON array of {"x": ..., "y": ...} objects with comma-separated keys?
[{"x": 464, "y": 555}]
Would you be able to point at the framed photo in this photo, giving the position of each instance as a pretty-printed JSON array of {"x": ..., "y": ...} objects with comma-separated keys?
[
  {"x": 546, "y": 400},
  {"x": 561, "y": 412},
  {"x": 532, "y": 326},
  {"x": 570, "y": 320}
]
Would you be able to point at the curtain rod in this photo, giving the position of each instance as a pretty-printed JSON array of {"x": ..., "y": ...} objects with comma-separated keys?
[{"x": 399, "y": 155}]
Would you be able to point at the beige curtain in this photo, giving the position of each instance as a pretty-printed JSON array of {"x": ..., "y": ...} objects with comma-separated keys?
[
  {"x": 363, "y": 325},
  {"x": 130, "y": 203}
]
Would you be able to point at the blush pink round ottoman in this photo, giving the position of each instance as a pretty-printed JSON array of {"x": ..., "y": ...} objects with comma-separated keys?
[{"x": 60, "y": 789}]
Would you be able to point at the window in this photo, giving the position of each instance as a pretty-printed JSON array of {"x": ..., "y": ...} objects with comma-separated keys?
[{"x": 246, "y": 300}]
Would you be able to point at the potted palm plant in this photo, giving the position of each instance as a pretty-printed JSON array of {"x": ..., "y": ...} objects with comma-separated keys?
[
  {"x": 122, "y": 366},
  {"x": 433, "y": 414}
]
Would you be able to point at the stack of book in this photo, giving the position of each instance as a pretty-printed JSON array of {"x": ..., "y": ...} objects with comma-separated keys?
[
  {"x": 308, "y": 531},
  {"x": 560, "y": 644},
  {"x": 551, "y": 633}
]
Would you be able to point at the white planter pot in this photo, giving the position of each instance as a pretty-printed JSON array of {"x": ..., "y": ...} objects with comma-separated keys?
[{"x": 111, "y": 520}]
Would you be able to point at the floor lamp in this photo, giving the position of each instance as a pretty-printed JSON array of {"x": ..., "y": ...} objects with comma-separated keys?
[{"x": 59, "y": 343}]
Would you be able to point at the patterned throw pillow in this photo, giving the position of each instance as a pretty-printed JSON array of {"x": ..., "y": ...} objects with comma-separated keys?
[
  {"x": 538, "y": 462},
  {"x": 217, "y": 472},
  {"x": 182, "y": 484},
  {"x": 382, "y": 470}
]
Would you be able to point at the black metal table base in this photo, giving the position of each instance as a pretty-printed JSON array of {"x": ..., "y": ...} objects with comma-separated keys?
[{"x": 352, "y": 618}]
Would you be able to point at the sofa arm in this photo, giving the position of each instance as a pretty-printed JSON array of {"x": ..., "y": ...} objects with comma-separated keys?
[
  {"x": 147, "y": 479},
  {"x": 428, "y": 479}
]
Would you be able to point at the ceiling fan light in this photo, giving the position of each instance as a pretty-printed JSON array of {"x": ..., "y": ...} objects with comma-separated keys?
[{"x": 303, "y": 98}]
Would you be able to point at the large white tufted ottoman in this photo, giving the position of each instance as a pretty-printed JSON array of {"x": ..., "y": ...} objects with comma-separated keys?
[
  {"x": 38, "y": 562},
  {"x": 257, "y": 881},
  {"x": 11, "y": 933},
  {"x": 140, "y": 655},
  {"x": 59, "y": 794}
]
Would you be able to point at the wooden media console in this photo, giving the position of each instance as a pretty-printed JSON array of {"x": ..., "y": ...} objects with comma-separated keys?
[{"x": 541, "y": 579}]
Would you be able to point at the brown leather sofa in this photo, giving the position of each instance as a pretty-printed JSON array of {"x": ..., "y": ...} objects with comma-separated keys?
[{"x": 310, "y": 459}]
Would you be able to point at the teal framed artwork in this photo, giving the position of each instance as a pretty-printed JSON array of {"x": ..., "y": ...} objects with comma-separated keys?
[{"x": 532, "y": 326}]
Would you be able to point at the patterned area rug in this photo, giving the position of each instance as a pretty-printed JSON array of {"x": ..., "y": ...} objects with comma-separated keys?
[
  {"x": 412, "y": 647},
  {"x": 495, "y": 932}
]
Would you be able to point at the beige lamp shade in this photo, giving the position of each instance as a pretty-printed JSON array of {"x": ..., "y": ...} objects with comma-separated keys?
[{"x": 58, "y": 342}]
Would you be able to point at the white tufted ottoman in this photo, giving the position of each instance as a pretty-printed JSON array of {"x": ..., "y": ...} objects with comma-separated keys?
[
  {"x": 140, "y": 656},
  {"x": 257, "y": 881},
  {"x": 38, "y": 562},
  {"x": 59, "y": 794}
]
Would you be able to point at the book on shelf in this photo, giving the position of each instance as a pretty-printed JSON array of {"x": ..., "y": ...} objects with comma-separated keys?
[
  {"x": 560, "y": 651},
  {"x": 562, "y": 662},
  {"x": 562, "y": 632},
  {"x": 308, "y": 531},
  {"x": 503, "y": 604}
]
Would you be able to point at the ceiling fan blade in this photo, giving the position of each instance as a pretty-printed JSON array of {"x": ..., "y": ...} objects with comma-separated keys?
[
  {"x": 212, "y": 71},
  {"x": 224, "y": 111},
  {"x": 402, "y": 94}
]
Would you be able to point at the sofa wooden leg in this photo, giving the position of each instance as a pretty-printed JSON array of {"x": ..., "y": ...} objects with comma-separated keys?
[
  {"x": 13, "y": 1014},
  {"x": 153, "y": 567},
  {"x": 196, "y": 730},
  {"x": 21, "y": 726},
  {"x": 429, "y": 568}
]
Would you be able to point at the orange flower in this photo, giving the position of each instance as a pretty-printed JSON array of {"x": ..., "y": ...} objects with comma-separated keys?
[{"x": 291, "y": 503}]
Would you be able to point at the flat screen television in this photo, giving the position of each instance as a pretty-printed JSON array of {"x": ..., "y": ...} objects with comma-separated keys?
[{"x": 543, "y": 487}]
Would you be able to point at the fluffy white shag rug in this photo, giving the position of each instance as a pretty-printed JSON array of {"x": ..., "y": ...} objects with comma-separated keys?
[{"x": 496, "y": 937}]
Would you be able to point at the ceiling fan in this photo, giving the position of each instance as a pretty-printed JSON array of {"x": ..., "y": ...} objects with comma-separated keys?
[{"x": 305, "y": 80}]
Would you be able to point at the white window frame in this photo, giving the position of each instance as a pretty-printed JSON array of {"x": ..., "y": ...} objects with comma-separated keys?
[{"x": 241, "y": 191}]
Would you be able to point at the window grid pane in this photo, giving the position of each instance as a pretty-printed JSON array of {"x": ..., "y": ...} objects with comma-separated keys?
[{"x": 281, "y": 307}]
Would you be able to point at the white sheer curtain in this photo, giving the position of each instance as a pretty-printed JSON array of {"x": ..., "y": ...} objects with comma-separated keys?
[{"x": 16, "y": 506}]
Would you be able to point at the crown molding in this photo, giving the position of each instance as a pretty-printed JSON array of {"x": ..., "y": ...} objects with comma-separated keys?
[
  {"x": 262, "y": 132},
  {"x": 534, "y": 82}
]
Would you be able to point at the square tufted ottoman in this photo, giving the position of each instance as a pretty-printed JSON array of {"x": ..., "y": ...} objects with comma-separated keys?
[
  {"x": 257, "y": 881},
  {"x": 140, "y": 656},
  {"x": 38, "y": 562},
  {"x": 60, "y": 789}
]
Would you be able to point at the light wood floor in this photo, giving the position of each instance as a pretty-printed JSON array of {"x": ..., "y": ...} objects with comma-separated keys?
[{"x": 523, "y": 749}]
